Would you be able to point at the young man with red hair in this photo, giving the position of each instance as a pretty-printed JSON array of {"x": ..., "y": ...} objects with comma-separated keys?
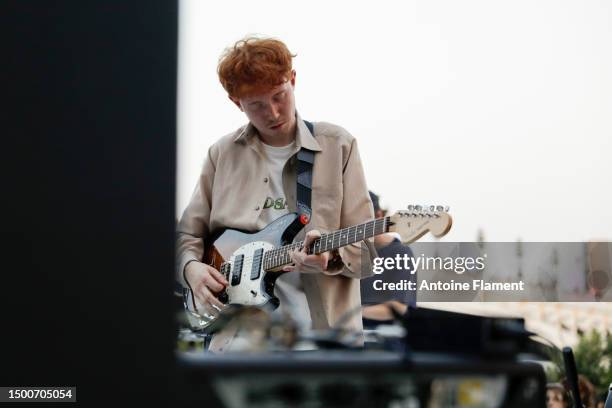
[{"x": 249, "y": 180}]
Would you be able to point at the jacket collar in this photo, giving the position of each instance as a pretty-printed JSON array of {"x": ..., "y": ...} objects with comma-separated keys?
[{"x": 303, "y": 137}]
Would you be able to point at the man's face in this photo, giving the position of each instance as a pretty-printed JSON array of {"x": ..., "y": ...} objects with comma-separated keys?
[{"x": 272, "y": 112}]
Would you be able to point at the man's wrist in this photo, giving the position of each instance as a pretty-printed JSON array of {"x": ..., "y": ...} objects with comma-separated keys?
[{"x": 185, "y": 271}]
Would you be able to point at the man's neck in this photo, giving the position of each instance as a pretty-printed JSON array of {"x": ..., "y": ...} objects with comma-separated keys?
[{"x": 279, "y": 141}]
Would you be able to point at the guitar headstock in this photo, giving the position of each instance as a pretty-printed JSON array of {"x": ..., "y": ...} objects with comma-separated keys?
[{"x": 417, "y": 220}]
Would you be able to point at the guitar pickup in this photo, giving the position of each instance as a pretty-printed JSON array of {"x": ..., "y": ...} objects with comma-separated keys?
[
  {"x": 237, "y": 270},
  {"x": 257, "y": 259}
]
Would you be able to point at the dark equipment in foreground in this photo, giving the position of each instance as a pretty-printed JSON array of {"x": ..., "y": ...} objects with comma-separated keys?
[{"x": 450, "y": 359}]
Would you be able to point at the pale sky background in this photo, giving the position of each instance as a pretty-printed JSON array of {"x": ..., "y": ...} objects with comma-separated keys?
[{"x": 501, "y": 110}]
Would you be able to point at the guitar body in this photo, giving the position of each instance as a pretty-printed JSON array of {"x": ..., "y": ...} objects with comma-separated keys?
[
  {"x": 251, "y": 262},
  {"x": 238, "y": 256}
]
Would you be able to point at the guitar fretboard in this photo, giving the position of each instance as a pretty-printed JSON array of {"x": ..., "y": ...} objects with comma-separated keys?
[{"x": 282, "y": 256}]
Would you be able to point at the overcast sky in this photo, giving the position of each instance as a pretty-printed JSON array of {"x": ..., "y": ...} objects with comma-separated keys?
[{"x": 501, "y": 110}]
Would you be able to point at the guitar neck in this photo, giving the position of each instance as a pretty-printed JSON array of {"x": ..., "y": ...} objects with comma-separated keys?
[{"x": 328, "y": 242}]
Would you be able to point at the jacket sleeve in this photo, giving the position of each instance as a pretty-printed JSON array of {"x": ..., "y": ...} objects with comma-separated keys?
[
  {"x": 194, "y": 225},
  {"x": 356, "y": 209}
]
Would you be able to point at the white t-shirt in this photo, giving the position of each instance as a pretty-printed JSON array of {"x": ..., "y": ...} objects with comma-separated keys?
[
  {"x": 275, "y": 205},
  {"x": 289, "y": 285}
]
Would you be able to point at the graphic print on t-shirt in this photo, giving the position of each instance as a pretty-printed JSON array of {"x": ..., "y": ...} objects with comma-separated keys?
[{"x": 276, "y": 204}]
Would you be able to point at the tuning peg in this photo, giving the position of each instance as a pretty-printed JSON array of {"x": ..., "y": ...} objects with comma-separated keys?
[
  {"x": 432, "y": 208},
  {"x": 446, "y": 208},
  {"x": 439, "y": 208},
  {"x": 410, "y": 207},
  {"x": 418, "y": 208}
]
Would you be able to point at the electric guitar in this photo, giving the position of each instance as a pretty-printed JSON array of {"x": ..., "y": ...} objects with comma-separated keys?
[{"x": 251, "y": 262}]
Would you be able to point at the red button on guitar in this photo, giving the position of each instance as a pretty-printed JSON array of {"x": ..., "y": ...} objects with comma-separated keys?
[{"x": 304, "y": 219}]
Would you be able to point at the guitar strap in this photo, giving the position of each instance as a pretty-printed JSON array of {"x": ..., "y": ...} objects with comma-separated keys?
[{"x": 305, "y": 159}]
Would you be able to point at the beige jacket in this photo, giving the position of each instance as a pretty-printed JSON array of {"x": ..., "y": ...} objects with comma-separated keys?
[{"x": 232, "y": 190}]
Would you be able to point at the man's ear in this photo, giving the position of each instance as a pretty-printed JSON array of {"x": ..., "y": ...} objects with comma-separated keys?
[
  {"x": 236, "y": 102},
  {"x": 292, "y": 80}
]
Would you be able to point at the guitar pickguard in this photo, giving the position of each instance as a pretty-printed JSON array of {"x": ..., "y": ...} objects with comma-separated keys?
[{"x": 248, "y": 291}]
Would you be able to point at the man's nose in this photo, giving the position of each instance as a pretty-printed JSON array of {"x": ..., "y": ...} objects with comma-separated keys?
[{"x": 274, "y": 111}]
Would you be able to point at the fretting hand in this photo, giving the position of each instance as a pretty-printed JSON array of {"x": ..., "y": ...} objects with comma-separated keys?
[{"x": 308, "y": 263}]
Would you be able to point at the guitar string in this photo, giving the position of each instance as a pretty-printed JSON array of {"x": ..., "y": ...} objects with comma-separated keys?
[
  {"x": 365, "y": 229},
  {"x": 336, "y": 234},
  {"x": 284, "y": 250}
]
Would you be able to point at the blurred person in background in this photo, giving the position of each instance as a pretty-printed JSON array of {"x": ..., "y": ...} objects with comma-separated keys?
[
  {"x": 376, "y": 303},
  {"x": 586, "y": 389},
  {"x": 556, "y": 396}
]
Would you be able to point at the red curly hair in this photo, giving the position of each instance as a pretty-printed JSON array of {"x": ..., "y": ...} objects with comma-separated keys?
[{"x": 254, "y": 65}]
